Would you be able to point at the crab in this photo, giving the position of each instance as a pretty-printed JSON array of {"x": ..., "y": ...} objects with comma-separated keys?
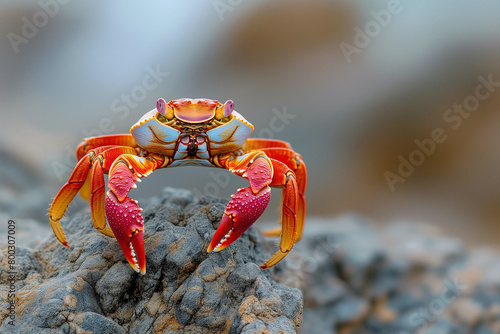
[{"x": 185, "y": 132}]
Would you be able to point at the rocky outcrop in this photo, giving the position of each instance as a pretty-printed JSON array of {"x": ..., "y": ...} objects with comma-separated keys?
[
  {"x": 90, "y": 287},
  {"x": 399, "y": 279}
]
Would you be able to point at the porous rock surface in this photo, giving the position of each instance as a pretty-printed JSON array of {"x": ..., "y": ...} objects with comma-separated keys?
[
  {"x": 90, "y": 287},
  {"x": 356, "y": 278}
]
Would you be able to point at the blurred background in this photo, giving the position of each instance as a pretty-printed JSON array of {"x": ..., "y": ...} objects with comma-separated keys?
[{"x": 350, "y": 84}]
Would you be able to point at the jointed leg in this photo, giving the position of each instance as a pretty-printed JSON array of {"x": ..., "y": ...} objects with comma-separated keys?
[
  {"x": 74, "y": 184},
  {"x": 284, "y": 178},
  {"x": 92, "y": 143},
  {"x": 294, "y": 162},
  {"x": 66, "y": 195},
  {"x": 109, "y": 140},
  {"x": 101, "y": 165},
  {"x": 253, "y": 144}
]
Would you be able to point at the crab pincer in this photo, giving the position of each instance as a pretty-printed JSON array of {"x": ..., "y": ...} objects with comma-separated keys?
[
  {"x": 248, "y": 204},
  {"x": 126, "y": 222},
  {"x": 242, "y": 211},
  {"x": 124, "y": 214}
]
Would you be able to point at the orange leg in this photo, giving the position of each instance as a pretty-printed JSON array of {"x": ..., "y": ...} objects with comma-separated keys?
[
  {"x": 92, "y": 143},
  {"x": 285, "y": 178},
  {"x": 294, "y": 162},
  {"x": 109, "y": 140},
  {"x": 66, "y": 195},
  {"x": 102, "y": 165},
  {"x": 101, "y": 157},
  {"x": 258, "y": 143}
]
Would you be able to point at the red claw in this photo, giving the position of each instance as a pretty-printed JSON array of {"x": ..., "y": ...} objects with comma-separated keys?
[
  {"x": 127, "y": 224},
  {"x": 121, "y": 180},
  {"x": 242, "y": 211}
]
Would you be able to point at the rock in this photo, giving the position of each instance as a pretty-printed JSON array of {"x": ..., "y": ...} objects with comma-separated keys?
[
  {"x": 90, "y": 287},
  {"x": 402, "y": 278},
  {"x": 355, "y": 278},
  {"x": 351, "y": 309}
]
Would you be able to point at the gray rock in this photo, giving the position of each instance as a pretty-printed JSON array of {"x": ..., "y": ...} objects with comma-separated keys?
[
  {"x": 49, "y": 316},
  {"x": 90, "y": 287},
  {"x": 350, "y": 310},
  {"x": 400, "y": 279},
  {"x": 292, "y": 306},
  {"x": 113, "y": 284},
  {"x": 97, "y": 323},
  {"x": 355, "y": 278}
]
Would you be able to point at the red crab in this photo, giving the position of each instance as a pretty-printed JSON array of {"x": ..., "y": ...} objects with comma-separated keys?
[{"x": 187, "y": 131}]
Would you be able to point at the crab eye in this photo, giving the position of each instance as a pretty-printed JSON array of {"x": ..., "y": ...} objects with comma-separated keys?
[
  {"x": 161, "y": 106},
  {"x": 228, "y": 108},
  {"x": 224, "y": 110}
]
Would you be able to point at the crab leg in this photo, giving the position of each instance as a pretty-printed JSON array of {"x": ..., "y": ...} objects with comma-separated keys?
[
  {"x": 101, "y": 165},
  {"x": 260, "y": 143},
  {"x": 123, "y": 214},
  {"x": 294, "y": 162},
  {"x": 103, "y": 142},
  {"x": 85, "y": 173},
  {"x": 284, "y": 178},
  {"x": 248, "y": 204},
  {"x": 282, "y": 151},
  {"x": 66, "y": 195},
  {"x": 109, "y": 140},
  {"x": 69, "y": 190}
]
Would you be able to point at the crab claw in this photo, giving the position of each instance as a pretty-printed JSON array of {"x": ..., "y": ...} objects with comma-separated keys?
[
  {"x": 242, "y": 211},
  {"x": 126, "y": 222}
]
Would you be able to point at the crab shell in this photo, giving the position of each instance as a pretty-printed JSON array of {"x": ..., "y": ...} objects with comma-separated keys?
[{"x": 218, "y": 127}]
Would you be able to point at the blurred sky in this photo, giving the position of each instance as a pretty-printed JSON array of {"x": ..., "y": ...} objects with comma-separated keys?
[{"x": 350, "y": 118}]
